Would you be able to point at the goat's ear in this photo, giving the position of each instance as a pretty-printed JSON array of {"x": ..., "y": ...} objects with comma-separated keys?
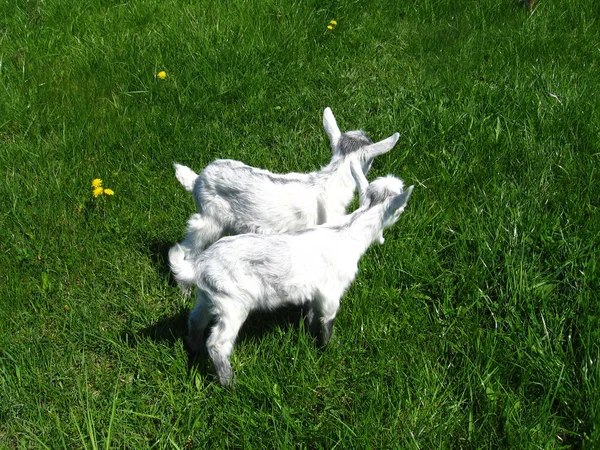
[
  {"x": 395, "y": 208},
  {"x": 359, "y": 178},
  {"x": 331, "y": 127},
  {"x": 399, "y": 201},
  {"x": 381, "y": 147}
]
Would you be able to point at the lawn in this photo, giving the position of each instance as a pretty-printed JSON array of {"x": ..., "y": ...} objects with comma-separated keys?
[{"x": 476, "y": 324}]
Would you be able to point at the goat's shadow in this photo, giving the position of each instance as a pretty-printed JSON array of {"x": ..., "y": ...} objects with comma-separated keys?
[
  {"x": 167, "y": 330},
  {"x": 170, "y": 329},
  {"x": 173, "y": 328},
  {"x": 159, "y": 254},
  {"x": 262, "y": 323}
]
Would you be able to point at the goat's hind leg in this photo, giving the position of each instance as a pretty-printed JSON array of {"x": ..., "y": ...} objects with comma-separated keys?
[
  {"x": 220, "y": 343},
  {"x": 202, "y": 231},
  {"x": 198, "y": 320}
]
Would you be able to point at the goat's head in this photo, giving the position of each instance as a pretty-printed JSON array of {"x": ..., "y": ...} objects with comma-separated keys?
[
  {"x": 356, "y": 145},
  {"x": 394, "y": 207},
  {"x": 379, "y": 191}
]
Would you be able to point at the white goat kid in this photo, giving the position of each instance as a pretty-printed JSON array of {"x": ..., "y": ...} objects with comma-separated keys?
[
  {"x": 233, "y": 198},
  {"x": 312, "y": 267}
]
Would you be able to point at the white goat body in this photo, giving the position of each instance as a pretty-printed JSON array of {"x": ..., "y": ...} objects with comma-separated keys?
[
  {"x": 313, "y": 267},
  {"x": 234, "y": 198}
]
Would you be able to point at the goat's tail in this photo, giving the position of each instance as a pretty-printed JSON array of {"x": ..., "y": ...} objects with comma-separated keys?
[
  {"x": 186, "y": 176},
  {"x": 182, "y": 268}
]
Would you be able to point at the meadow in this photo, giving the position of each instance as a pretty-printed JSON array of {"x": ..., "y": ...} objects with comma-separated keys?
[{"x": 477, "y": 323}]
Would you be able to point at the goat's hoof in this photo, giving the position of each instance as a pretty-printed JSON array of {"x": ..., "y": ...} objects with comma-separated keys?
[{"x": 228, "y": 383}]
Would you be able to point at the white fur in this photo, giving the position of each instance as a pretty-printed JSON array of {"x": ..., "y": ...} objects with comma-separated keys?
[
  {"x": 239, "y": 274},
  {"x": 234, "y": 198}
]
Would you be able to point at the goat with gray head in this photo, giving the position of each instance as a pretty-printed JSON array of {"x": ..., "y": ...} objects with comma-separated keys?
[
  {"x": 312, "y": 267},
  {"x": 234, "y": 198}
]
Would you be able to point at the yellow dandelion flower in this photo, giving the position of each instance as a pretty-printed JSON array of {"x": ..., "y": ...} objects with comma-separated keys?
[
  {"x": 109, "y": 192},
  {"x": 329, "y": 27},
  {"x": 98, "y": 191},
  {"x": 333, "y": 22},
  {"x": 96, "y": 183},
  {"x": 161, "y": 75}
]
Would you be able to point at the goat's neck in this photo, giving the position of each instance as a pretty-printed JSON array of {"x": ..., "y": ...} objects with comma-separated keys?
[
  {"x": 337, "y": 184},
  {"x": 365, "y": 227}
]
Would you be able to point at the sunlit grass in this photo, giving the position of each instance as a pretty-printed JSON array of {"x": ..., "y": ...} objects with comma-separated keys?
[{"x": 476, "y": 325}]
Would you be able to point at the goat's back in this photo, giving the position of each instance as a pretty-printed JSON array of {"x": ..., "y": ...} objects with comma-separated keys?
[
  {"x": 247, "y": 199},
  {"x": 276, "y": 269}
]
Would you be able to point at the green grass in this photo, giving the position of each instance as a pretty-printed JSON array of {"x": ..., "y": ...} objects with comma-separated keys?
[{"x": 476, "y": 325}]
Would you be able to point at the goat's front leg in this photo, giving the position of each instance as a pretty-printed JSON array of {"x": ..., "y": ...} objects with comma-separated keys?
[
  {"x": 327, "y": 331},
  {"x": 313, "y": 319},
  {"x": 321, "y": 316}
]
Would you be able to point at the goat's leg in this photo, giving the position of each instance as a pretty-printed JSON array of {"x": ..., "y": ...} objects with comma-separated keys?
[
  {"x": 327, "y": 319},
  {"x": 313, "y": 320},
  {"x": 321, "y": 317},
  {"x": 202, "y": 231},
  {"x": 220, "y": 344},
  {"x": 197, "y": 322},
  {"x": 327, "y": 330}
]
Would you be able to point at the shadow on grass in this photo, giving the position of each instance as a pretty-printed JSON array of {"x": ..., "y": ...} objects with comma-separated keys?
[
  {"x": 173, "y": 328},
  {"x": 262, "y": 323},
  {"x": 259, "y": 324},
  {"x": 159, "y": 254},
  {"x": 168, "y": 329}
]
